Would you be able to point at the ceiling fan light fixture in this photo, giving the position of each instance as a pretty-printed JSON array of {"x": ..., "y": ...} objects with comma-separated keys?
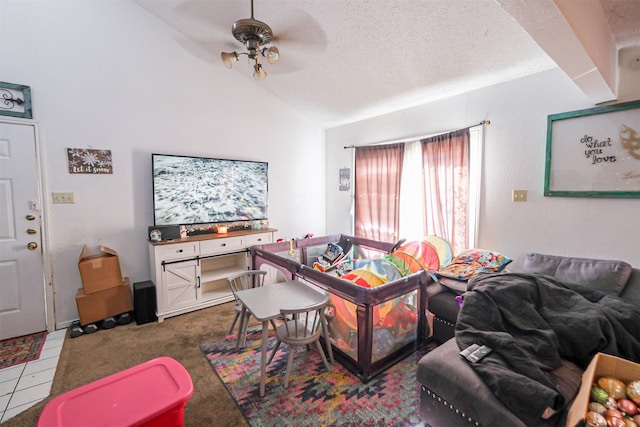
[
  {"x": 229, "y": 58},
  {"x": 259, "y": 73},
  {"x": 272, "y": 54},
  {"x": 255, "y": 35}
]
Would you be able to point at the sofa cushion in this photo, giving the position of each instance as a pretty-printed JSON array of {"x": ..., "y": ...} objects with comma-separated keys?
[{"x": 608, "y": 276}]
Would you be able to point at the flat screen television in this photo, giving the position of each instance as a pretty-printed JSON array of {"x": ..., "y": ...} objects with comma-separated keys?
[{"x": 200, "y": 190}]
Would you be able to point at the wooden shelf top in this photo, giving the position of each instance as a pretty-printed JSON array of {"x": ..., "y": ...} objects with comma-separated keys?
[{"x": 211, "y": 236}]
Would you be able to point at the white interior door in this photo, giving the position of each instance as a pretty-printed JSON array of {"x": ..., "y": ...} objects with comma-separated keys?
[{"x": 22, "y": 290}]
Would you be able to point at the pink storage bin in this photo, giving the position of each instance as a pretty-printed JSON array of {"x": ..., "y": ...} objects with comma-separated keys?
[{"x": 153, "y": 393}]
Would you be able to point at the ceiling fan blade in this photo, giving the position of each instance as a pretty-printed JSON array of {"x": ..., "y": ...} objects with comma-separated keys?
[
  {"x": 299, "y": 38},
  {"x": 300, "y": 30},
  {"x": 201, "y": 50},
  {"x": 208, "y": 24},
  {"x": 218, "y": 16}
]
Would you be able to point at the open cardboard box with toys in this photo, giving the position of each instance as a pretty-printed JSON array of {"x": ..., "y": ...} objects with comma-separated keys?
[{"x": 616, "y": 374}]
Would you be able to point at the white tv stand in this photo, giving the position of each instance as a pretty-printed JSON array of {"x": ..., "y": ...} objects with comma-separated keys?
[{"x": 191, "y": 273}]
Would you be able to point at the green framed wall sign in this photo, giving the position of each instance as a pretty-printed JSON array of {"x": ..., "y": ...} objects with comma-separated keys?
[
  {"x": 594, "y": 152},
  {"x": 15, "y": 100}
]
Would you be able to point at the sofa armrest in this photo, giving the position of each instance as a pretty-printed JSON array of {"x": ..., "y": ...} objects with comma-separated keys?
[
  {"x": 453, "y": 394},
  {"x": 451, "y": 388},
  {"x": 631, "y": 291}
]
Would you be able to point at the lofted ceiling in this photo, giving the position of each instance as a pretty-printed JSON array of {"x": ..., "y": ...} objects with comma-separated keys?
[{"x": 342, "y": 61}]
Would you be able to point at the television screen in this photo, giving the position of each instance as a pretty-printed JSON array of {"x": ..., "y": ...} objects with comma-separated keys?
[{"x": 198, "y": 190}]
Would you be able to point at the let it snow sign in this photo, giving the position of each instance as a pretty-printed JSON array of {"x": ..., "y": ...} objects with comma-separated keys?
[{"x": 86, "y": 160}]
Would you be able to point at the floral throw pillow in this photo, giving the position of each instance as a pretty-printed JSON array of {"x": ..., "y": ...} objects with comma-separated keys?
[{"x": 472, "y": 262}]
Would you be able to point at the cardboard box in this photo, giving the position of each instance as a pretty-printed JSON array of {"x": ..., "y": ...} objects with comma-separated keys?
[
  {"x": 101, "y": 271},
  {"x": 602, "y": 365},
  {"x": 98, "y": 306}
]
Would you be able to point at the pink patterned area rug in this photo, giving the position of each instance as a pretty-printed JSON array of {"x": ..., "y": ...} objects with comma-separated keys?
[
  {"x": 27, "y": 348},
  {"x": 314, "y": 396}
]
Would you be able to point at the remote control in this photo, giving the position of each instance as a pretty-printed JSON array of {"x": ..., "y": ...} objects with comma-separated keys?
[
  {"x": 478, "y": 354},
  {"x": 467, "y": 351}
]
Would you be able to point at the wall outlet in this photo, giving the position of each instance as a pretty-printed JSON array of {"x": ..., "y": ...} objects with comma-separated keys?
[
  {"x": 519, "y": 196},
  {"x": 63, "y": 198}
]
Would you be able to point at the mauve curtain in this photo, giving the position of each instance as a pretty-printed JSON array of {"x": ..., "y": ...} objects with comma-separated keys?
[
  {"x": 378, "y": 169},
  {"x": 446, "y": 185}
]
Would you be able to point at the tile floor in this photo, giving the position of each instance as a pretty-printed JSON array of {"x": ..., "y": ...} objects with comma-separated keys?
[{"x": 24, "y": 385}]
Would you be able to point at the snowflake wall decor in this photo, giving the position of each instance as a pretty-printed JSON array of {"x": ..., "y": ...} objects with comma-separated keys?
[{"x": 86, "y": 160}]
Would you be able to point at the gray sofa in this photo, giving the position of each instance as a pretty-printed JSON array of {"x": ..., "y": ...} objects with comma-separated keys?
[{"x": 452, "y": 391}]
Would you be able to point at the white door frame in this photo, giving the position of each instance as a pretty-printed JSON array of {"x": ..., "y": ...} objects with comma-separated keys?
[{"x": 44, "y": 226}]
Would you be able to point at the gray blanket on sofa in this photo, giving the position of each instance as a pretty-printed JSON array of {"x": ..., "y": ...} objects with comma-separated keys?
[{"x": 530, "y": 322}]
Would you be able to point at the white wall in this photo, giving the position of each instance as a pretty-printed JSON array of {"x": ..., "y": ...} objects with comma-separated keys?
[
  {"x": 109, "y": 75},
  {"x": 514, "y": 158}
]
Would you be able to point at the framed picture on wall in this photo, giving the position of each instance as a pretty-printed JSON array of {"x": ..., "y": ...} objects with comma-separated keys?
[
  {"x": 345, "y": 179},
  {"x": 15, "y": 100},
  {"x": 594, "y": 152},
  {"x": 89, "y": 161}
]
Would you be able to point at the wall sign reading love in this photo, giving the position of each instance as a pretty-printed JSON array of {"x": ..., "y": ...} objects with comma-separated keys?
[
  {"x": 594, "y": 152},
  {"x": 597, "y": 151}
]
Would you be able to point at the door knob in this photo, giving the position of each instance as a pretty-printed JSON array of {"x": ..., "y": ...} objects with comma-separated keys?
[
  {"x": 31, "y": 231},
  {"x": 30, "y": 217},
  {"x": 32, "y": 245}
]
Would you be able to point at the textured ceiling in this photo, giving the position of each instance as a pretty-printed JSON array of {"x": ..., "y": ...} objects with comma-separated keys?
[
  {"x": 624, "y": 21},
  {"x": 347, "y": 60}
]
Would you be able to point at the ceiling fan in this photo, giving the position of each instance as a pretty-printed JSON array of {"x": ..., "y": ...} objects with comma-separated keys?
[{"x": 256, "y": 36}]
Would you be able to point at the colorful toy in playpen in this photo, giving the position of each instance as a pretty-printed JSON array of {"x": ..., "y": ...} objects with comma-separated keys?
[
  {"x": 334, "y": 256},
  {"x": 396, "y": 317},
  {"x": 394, "y": 321},
  {"x": 405, "y": 258},
  {"x": 442, "y": 247}
]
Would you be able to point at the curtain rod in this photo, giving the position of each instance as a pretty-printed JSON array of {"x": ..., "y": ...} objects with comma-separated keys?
[{"x": 413, "y": 138}]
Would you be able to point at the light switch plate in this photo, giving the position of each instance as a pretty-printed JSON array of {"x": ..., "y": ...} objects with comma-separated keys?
[
  {"x": 519, "y": 196},
  {"x": 63, "y": 198}
]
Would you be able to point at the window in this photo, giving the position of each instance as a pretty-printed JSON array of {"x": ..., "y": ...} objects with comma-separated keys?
[{"x": 390, "y": 197}]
